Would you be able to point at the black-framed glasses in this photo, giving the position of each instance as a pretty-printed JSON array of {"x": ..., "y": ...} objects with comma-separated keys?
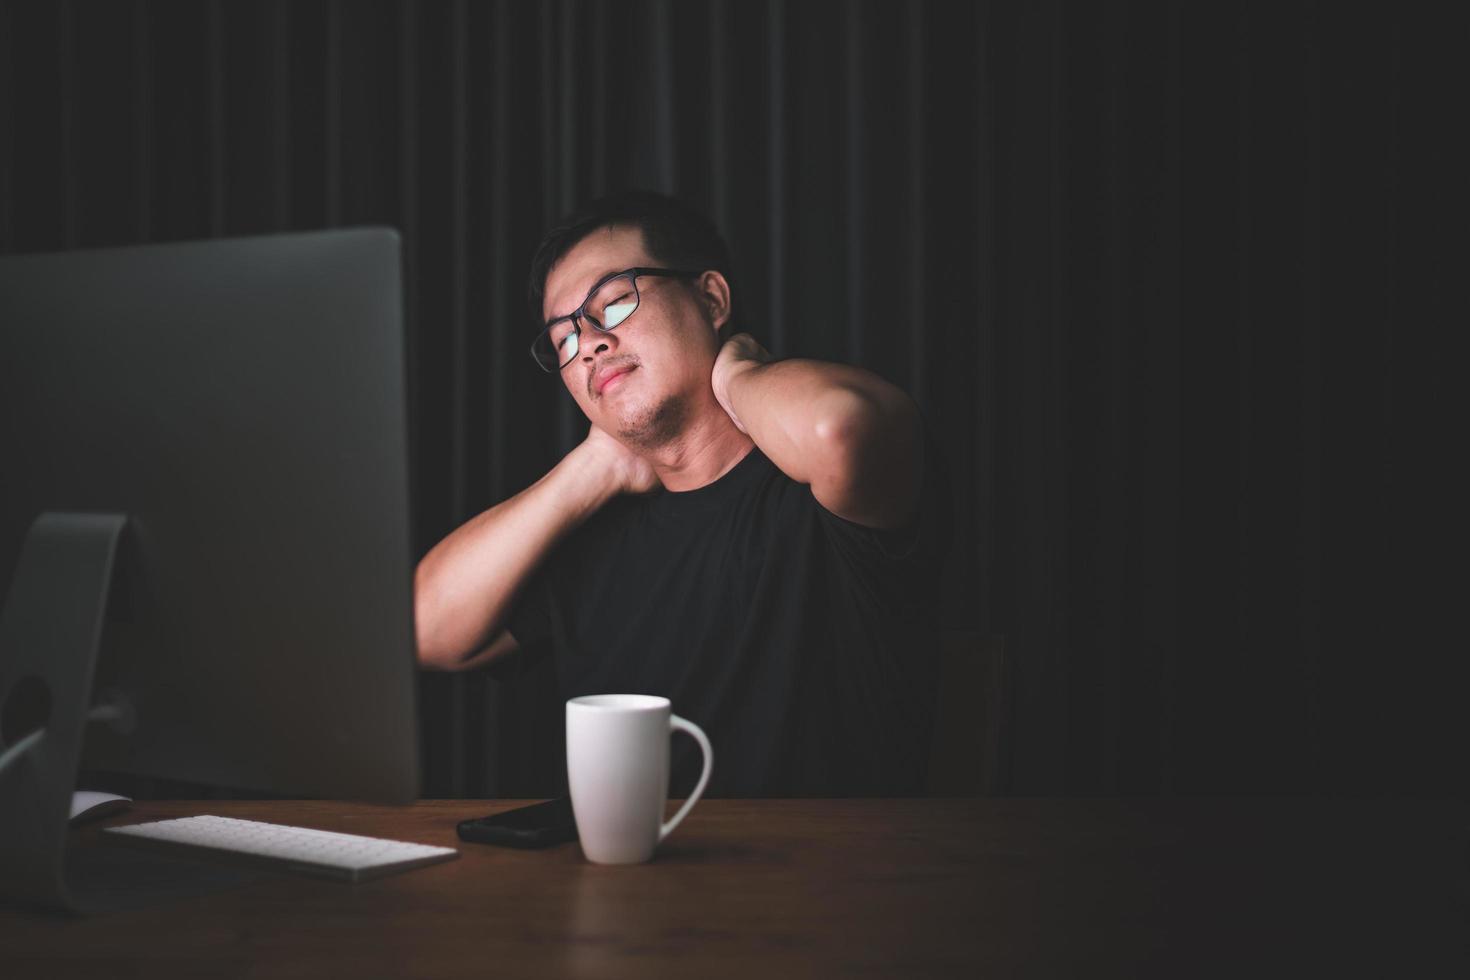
[{"x": 609, "y": 303}]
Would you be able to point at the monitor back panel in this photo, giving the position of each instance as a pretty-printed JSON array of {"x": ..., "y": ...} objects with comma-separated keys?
[{"x": 243, "y": 402}]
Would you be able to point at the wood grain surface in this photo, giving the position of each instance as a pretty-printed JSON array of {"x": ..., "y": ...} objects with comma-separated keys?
[{"x": 841, "y": 888}]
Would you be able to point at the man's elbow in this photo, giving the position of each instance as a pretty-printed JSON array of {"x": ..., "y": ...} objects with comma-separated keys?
[
  {"x": 433, "y": 654},
  {"x": 845, "y": 422},
  {"x": 434, "y": 657},
  {"x": 868, "y": 456},
  {"x": 857, "y": 430},
  {"x": 432, "y": 651},
  {"x": 430, "y": 655}
]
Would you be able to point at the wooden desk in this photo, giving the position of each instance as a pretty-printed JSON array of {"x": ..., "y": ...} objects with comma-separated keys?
[{"x": 775, "y": 888}]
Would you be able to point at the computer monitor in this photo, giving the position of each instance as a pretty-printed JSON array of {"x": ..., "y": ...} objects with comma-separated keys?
[{"x": 207, "y": 440}]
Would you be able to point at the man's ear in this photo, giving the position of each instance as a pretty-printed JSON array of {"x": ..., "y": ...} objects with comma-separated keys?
[{"x": 714, "y": 293}]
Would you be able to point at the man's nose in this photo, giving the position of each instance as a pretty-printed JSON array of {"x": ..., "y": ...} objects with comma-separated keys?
[{"x": 601, "y": 342}]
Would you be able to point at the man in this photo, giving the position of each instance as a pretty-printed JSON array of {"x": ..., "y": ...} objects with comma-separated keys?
[{"x": 756, "y": 540}]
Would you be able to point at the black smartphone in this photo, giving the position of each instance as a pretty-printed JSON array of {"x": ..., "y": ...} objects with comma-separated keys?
[{"x": 538, "y": 825}]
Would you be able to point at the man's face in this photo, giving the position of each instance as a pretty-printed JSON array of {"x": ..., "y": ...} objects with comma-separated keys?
[{"x": 643, "y": 381}]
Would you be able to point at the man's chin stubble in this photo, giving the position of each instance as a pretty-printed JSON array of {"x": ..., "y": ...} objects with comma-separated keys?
[{"x": 654, "y": 428}]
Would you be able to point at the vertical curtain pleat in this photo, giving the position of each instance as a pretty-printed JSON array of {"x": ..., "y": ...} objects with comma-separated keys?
[
  {"x": 281, "y": 52},
  {"x": 775, "y": 197},
  {"x": 550, "y": 117},
  {"x": 1110, "y": 250},
  {"x": 855, "y": 313},
  {"x": 1167, "y": 555},
  {"x": 333, "y": 113},
  {"x": 1054, "y": 309},
  {"x": 662, "y": 55},
  {"x": 504, "y": 309},
  {"x": 7, "y": 130},
  {"x": 1310, "y": 500},
  {"x": 598, "y": 129},
  {"x": 143, "y": 121},
  {"x": 719, "y": 109},
  {"x": 458, "y": 152},
  {"x": 567, "y": 68},
  {"x": 974, "y": 511},
  {"x": 916, "y": 323},
  {"x": 1112, "y": 553},
  {"x": 66, "y": 80},
  {"x": 1242, "y": 119},
  {"x": 560, "y": 142},
  {"x": 218, "y": 121}
]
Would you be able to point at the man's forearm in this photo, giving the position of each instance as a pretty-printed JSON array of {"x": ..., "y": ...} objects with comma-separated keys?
[
  {"x": 848, "y": 433},
  {"x": 464, "y": 587},
  {"x": 796, "y": 410}
]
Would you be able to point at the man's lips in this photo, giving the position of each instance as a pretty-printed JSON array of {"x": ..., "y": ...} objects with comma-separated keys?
[{"x": 613, "y": 374}]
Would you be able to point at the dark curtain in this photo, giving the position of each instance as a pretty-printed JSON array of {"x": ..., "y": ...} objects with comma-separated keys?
[{"x": 1145, "y": 267}]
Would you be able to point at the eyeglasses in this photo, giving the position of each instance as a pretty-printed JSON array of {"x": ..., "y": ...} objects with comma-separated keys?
[{"x": 610, "y": 302}]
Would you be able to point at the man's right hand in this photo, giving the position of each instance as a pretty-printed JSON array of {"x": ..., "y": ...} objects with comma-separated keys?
[
  {"x": 630, "y": 472},
  {"x": 465, "y": 585}
]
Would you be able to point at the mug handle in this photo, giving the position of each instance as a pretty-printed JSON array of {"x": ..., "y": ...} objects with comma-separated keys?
[{"x": 679, "y": 724}]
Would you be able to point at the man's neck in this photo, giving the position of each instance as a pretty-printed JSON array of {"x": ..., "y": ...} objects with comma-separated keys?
[{"x": 707, "y": 449}]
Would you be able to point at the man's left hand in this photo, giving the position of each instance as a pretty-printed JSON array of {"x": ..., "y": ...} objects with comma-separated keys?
[{"x": 741, "y": 353}]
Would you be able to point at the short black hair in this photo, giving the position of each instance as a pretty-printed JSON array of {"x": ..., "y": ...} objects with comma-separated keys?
[{"x": 676, "y": 235}]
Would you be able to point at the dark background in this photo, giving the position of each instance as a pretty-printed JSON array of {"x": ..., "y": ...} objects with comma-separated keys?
[{"x": 1163, "y": 281}]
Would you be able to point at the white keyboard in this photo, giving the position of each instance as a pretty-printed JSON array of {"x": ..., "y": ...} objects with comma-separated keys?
[{"x": 320, "y": 852}]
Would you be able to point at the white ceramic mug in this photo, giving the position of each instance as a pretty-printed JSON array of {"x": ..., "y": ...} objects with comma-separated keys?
[{"x": 618, "y": 773}]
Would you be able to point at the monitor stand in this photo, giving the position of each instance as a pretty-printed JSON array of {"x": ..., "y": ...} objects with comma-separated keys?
[{"x": 50, "y": 632}]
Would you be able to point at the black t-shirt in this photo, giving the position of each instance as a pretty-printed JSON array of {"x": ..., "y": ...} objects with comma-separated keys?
[{"x": 803, "y": 644}]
